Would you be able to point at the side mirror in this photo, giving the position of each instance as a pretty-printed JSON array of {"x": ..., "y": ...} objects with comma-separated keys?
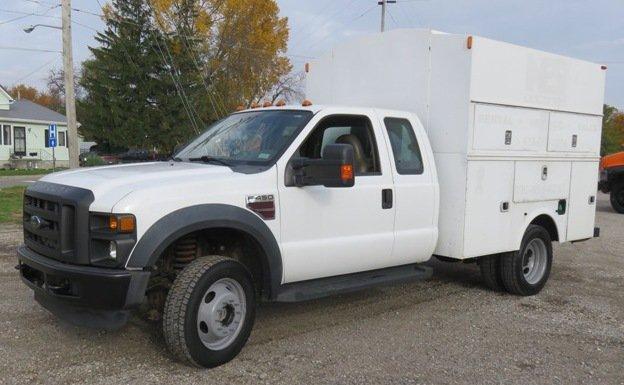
[{"x": 334, "y": 169}]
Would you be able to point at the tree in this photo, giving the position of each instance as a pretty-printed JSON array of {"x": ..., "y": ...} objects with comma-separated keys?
[
  {"x": 131, "y": 95},
  {"x": 55, "y": 83},
  {"x": 612, "y": 130},
  {"x": 44, "y": 98},
  {"x": 288, "y": 87},
  {"x": 239, "y": 46},
  {"x": 166, "y": 68}
]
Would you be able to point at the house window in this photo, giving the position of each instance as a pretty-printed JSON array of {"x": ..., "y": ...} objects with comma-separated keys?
[
  {"x": 19, "y": 134},
  {"x": 6, "y": 135},
  {"x": 62, "y": 139}
]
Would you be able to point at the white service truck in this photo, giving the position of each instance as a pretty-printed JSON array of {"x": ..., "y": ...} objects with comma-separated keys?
[{"x": 421, "y": 144}]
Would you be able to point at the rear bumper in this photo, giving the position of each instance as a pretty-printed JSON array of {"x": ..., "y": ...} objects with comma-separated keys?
[{"x": 82, "y": 294}]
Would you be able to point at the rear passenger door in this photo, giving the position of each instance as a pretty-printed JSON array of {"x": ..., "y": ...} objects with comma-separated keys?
[{"x": 415, "y": 188}]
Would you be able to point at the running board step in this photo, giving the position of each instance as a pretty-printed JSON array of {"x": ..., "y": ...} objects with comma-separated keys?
[{"x": 323, "y": 287}]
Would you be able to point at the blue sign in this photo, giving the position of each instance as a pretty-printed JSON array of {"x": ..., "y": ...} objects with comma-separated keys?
[{"x": 52, "y": 135}]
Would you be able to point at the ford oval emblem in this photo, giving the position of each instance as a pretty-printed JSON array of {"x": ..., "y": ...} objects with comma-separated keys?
[{"x": 36, "y": 222}]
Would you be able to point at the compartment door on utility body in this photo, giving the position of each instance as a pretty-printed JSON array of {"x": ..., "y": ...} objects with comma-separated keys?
[
  {"x": 416, "y": 201},
  {"x": 333, "y": 231}
]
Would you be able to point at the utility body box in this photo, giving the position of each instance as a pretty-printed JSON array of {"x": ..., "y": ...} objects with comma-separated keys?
[{"x": 513, "y": 129}]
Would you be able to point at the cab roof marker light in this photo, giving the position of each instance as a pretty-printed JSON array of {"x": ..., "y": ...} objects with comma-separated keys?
[
  {"x": 240, "y": 108},
  {"x": 267, "y": 104},
  {"x": 280, "y": 103},
  {"x": 306, "y": 103}
]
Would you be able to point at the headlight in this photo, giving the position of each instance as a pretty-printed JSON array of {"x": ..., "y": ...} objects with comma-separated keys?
[
  {"x": 112, "y": 237},
  {"x": 112, "y": 250}
]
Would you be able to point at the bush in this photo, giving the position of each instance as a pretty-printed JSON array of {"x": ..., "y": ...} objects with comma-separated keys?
[{"x": 93, "y": 160}]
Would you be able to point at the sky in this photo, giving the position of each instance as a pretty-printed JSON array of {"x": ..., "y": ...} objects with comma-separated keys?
[{"x": 591, "y": 30}]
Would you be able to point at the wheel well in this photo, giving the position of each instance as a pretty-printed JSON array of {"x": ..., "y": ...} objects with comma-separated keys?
[
  {"x": 548, "y": 223},
  {"x": 229, "y": 242}
]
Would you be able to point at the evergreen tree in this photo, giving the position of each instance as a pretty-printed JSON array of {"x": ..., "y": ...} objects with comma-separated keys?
[{"x": 134, "y": 96}]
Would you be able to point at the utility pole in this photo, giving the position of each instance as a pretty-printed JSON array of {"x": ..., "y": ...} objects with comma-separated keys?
[
  {"x": 70, "y": 97},
  {"x": 383, "y": 12}
]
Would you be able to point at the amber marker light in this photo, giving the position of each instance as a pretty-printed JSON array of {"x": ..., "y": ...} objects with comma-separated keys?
[
  {"x": 346, "y": 172},
  {"x": 267, "y": 104},
  {"x": 280, "y": 103},
  {"x": 306, "y": 103},
  {"x": 469, "y": 42},
  {"x": 123, "y": 223}
]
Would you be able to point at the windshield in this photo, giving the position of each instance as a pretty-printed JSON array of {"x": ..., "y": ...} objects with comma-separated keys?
[{"x": 255, "y": 137}]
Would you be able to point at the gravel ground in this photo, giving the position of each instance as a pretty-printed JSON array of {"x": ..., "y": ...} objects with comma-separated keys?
[
  {"x": 448, "y": 330},
  {"x": 18, "y": 180}
]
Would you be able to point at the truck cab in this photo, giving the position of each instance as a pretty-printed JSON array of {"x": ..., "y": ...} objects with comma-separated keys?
[{"x": 288, "y": 194}]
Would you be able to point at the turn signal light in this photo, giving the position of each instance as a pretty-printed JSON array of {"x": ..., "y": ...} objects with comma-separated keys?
[
  {"x": 346, "y": 172},
  {"x": 122, "y": 223}
]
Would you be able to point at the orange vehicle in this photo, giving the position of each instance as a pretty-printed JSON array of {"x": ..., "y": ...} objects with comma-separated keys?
[{"x": 612, "y": 179}]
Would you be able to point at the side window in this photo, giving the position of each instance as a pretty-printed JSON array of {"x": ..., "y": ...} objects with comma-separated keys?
[
  {"x": 6, "y": 135},
  {"x": 405, "y": 148},
  {"x": 61, "y": 139},
  {"x": 345, "y": 129}
]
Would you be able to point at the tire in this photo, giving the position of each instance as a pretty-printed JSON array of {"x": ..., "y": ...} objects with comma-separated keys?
[
  {"x": 491, "y": 272},
  {"x": 617, "y": 197},
  {"x": 223, "y": 289},
  {"x": 519, "y": 275}
]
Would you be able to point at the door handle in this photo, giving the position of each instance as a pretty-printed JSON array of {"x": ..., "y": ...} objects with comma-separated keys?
[{"x": 386, "y": 198}]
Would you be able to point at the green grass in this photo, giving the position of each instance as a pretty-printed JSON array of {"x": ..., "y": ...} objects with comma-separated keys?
[
  {"x": 11, "y": 204},
  {"x": 31, "y": 171}
]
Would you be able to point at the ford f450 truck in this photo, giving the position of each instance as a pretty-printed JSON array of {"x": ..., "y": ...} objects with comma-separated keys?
[{"x": 422, "y": 144}]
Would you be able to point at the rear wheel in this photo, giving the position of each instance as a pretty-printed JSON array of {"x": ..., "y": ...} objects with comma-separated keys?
[
  {"x": 209, "y": 312},
  {"x": 617, "y": 197},
  {"x": 526, "y": 271},
  {"x": 491, "y": 272}
]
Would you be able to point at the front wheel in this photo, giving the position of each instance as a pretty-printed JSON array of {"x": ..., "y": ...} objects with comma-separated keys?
[
  {"x": 617, "y": 197},
  {"x": 209, "y": 312},
  {"x": 525, "y": 272}
]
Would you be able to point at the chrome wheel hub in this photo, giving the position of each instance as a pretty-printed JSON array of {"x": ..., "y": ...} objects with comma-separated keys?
[
  {"x": 534, "y": 261},
  {"x": 221, "y": 314}
]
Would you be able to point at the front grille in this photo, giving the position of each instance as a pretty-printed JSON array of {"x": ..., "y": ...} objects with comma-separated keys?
[
  {"x": 56, "y": 221},
  {"x": 46, "y": 224}
]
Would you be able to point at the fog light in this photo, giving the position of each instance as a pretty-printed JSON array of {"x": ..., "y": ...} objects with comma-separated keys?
[{"x": 112, "y": 250}]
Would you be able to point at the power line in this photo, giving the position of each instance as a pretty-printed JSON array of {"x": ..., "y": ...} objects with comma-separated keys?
[
  {"x": 29, "y": 49},
  {"x": 344, "y": 25},
  {"x": 35, "y": 70}
]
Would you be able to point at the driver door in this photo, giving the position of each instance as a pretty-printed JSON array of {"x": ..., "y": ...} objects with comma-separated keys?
[{"x": 333, "y": 231}]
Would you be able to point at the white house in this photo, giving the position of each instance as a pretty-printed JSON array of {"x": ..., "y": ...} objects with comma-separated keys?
[{"x": 24, "y": 134}]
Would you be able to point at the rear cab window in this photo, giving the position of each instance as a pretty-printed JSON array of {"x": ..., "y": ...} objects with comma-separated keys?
[{"x": 405, "y": 149}]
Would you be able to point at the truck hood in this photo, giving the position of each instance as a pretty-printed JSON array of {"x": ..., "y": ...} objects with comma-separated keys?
[{"x": 111, "y": 183}]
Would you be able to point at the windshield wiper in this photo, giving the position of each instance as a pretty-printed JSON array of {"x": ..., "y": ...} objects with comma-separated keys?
[{"x": 210, "y": 159}]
